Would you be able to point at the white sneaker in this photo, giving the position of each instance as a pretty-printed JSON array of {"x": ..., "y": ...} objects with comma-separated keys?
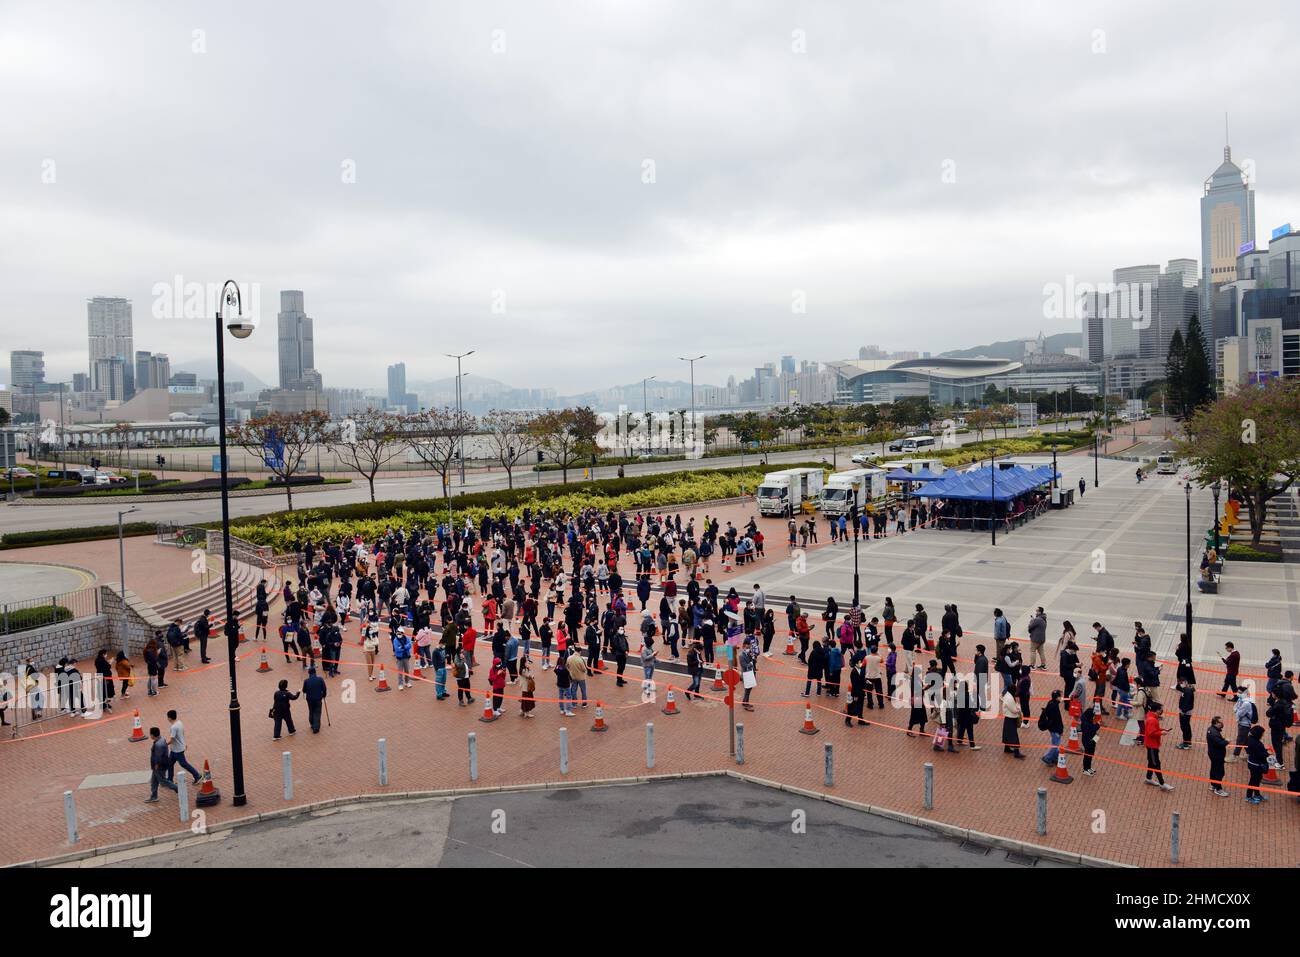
[{"x": 1166, "y": 786}]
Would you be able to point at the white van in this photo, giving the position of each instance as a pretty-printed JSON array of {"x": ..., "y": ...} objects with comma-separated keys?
[
  {"x": 918, "y": 443},
  {"x": 1165, "y": 464}
]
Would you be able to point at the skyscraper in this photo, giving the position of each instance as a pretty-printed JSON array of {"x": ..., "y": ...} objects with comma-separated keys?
[
  {"x": 397, "y": 384},
  {"x": 109, "y": 326},
  {"x": 297, "y": 344},
  {"x": 1227, "y": 224},
  {"x": 26, "y": 368}
]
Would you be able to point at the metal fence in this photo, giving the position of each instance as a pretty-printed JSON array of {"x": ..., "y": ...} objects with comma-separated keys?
[{"x": 16, "y": 616}]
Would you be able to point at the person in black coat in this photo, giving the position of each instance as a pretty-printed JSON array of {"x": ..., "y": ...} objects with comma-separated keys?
[
  {"x": 1088, "y": 728},
  {"x": 816, "y": 669},
  {"x": 1216, "y": 749},
  {"x": 857, "y": 694},
  {"x": 202, "y": 629},
  {"x": 314, "y": 690},
  {"x": 1186, "y": 705},
  {"x": 280, "y": 708},
  {"x": 1069, "y": 661},
  {"x": 105, "y": 672}
]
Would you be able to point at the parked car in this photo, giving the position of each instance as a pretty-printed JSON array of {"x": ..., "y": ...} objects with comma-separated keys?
[
  {"x": 863, "y": 458},
  {"x": 18, "y": 472}
]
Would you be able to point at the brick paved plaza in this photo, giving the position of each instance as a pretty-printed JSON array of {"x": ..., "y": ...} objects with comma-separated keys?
[{"x": 1048, "y": 562}]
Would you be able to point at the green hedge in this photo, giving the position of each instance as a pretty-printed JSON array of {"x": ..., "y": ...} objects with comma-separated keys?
[
  {"x": 1245, "y": 552},
  {"x": 62, "y": 536},
  {"x": 38, "y": 616},
  {"x": 663, "y": 490}
]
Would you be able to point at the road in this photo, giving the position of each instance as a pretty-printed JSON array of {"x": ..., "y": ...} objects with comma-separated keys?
[
  {"x": 703, "y": 822},
  {"x": 23, "y": 518}
]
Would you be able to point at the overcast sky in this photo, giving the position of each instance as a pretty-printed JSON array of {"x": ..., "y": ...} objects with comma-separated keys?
[{"x": 500, "y": 155}]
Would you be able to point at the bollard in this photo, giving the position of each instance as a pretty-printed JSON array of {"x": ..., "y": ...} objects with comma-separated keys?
[
  {"x": 383, "y": 762},
  {"x": 929, "y": 786},
  {"x": 1174, "y": 838},
  {"x": 1042, "y": 810},
  {"x": 740, "y": 743},
  {"x": 70, "y": 812},
  {"x": 649, "y": 744},
  {"x": 183, "y": 796},
  {"x": 564, "y": 750},
  {"x": 473, "y": 756},
  {"x": 830, "y": 765},
  {"x": 287, "y": 760}
]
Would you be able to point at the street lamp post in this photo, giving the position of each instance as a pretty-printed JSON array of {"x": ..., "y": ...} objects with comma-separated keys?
[
  {"x": 459, "y": 411},
  {"x": 853, "y": 516},
  {"x": 993, "y": 473},
  {"x": 692, "y": 361},
  {"x": 240, "y": 327},
  {"x": 645, "y": 407},
  {"x": 1096, "y": 472},
  {"x": 121, "y": 568},
  {"x": 1216, "y": 488},
  {"x": 1188, "y": 490}
]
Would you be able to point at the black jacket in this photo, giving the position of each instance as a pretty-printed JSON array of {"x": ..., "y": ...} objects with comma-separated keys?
[
  {"x": 280, "y": 702},
  {"x": 1216, "y": 745}
]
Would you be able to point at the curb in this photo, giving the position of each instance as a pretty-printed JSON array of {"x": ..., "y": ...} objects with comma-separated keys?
[{"x": 400, "y": 797}]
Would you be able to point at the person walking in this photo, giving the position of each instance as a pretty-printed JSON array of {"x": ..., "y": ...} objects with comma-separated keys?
[
  {"x": 314, "y": 690},
  {"x": 1231, "y": 667},
  {"x": 159, "y": 765},
  {"x": 280, "y": 712},
  {"x": 1151, "y": 732},
  {"x": 1037, "y": 630},
  {"x": 176, "y": 749},
  {"x": 749, "y": 671}
]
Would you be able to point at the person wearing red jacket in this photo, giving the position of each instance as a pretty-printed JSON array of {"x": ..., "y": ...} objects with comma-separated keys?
[
  {"x": 497, "y": 681},
  {"x": 1151, "y": 732}
]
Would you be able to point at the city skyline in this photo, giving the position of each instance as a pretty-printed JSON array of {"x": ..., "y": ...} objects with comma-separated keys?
[{"x": 781, "y": 171}]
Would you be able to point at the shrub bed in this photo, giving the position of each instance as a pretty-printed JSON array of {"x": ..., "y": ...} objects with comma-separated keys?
[
  {"x": 38, "y": 616},
  {"x": 62, "y": 536},
  {"x": 1245, "y": 552}
]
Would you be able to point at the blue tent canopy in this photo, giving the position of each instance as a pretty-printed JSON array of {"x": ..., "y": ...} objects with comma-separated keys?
[
  {"x": 985, "y": 486},
  {"x": 900, "y": 475}
]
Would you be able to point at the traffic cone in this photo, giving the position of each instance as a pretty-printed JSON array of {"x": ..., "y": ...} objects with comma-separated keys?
[
  {"x": 929, "y": 639},
  {"x": 1270, "y": 776},
  {"x": 315, "y": 641},
  {"x": 383, "y": 680},
  {"x": 242, "y": 637},
  {"x": 789, "y": 644},
  {"x": 263, "y": 666},
  {"x": 717, "y": 679},
  {"x": 1062, "y": 775},
  {"x": 1073, "y": 744},
  {"x": 670, "y": 703},
  {"x": 137, "y": 728},
  {"x": 726, "y": 563},
  {"x": 600, "y": 717},
  {"x": 808, "y": 726},
  {"x": 208, "y": 793},
  {"x": 415, "y": 669},
  {"x": 488, "y": 714}
]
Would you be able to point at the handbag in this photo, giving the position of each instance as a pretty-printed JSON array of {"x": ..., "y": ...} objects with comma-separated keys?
[{"x": 749, "y": 679}]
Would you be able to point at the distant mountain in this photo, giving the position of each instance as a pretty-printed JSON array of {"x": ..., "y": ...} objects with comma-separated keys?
[
  {"x": 1015, "y": 348},
  {"x": 207, "y": 369}
]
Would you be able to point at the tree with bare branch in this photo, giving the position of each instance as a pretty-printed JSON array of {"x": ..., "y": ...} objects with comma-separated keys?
[
  {"x": 435, "y": 436},
  {"x": 282, "y": 440},
  {"x": 511, "y": 437},
  {"x": 367, "y": 441}
]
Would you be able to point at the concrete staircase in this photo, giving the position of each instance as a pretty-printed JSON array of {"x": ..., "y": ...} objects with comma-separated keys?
[{"x": 244, "y": 578}]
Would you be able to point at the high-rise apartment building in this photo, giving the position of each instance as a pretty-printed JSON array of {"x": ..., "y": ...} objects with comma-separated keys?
[
  {"x": 109, "y": 373},
  {"x": 26, "y": 368},
  {"x": 397, "y": 384},
  {"x": 108, "y": 321},
  {"x": 297, "y": 343}
]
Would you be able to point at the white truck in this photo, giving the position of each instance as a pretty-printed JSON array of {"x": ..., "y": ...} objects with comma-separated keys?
[
  {"x": 857, "y": 487},
  {"x": 784, "y": 493}
]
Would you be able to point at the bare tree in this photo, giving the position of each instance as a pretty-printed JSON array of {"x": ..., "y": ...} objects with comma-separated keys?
[
  {"x": 511, "y": 436},
  {"x": 282, "y": 441},
  {"x": 435, "y": 435},
  {"x": 367, "y": 441}
]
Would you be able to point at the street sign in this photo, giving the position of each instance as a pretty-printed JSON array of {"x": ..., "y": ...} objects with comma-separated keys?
[
  {"x": 731, "y": 678},
  {"x": 273, "y": 451}
]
